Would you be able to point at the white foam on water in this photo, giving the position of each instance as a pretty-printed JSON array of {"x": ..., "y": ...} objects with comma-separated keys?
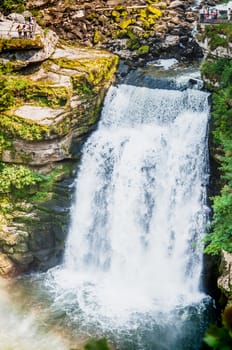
[{"x": 140, "y": 212}]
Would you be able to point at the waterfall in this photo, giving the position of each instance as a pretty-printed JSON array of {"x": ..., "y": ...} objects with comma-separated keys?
[{"x": 139, "y": 215}]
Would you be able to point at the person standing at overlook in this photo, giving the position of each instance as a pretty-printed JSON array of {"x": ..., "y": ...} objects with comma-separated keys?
[
  {"x": 20, "y": 30},
  {"x": 229, "y": 14}
]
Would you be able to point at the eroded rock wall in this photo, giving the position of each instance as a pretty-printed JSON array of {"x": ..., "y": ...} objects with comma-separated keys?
[{"x": 48, "y": 109}]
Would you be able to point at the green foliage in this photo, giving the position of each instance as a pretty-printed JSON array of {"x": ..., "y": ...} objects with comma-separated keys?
[
  {"x": 221, "y": 230},
  {"x": 218, "y": 35},
  {"x": 16, "y": 178},
  {"x": 220, "y": 338},
  {"x": 220, "y": 236},
  {"x": 46, "y": 187},
  {"x": 96, "y": 344},
  {"x": 5, "y": 143},
  {"x": 8, "y": 6},
  {"x": 6, "y": 99},
  {"x": 218, "y": 71}
]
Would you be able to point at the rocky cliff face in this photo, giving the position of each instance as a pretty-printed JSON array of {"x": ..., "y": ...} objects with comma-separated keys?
[
  {"x": 136, "y": 30},
  {"x": 50, "y": 98},
  {"x": 225, "y": 279}
]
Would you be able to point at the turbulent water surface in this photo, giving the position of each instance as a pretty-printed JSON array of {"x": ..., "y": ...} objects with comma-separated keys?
[{"x": 133, "y": 260}]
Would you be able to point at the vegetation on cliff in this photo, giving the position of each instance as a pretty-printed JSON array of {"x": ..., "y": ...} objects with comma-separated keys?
[
  {"x": 220, "y": 338},
  {"x": 219, "y": 74},
  {"x": 12, "y": 5},
  {"x": 47, "y": 108},
  {"x": 218, "y": 35}
]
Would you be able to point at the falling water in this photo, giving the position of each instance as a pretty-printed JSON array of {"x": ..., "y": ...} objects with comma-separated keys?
[{"x": 133, "y": 259}]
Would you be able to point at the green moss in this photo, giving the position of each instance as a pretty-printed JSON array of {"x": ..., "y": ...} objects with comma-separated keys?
[
  {"x": 97, "y": 37},
  {"x": 115, "y": 14},
  {"x": 155, "y": 11},
  {"x": 142, "y": 13},
  {"x": 46, "y": 186},
  {"x": 148, "y": 16},
  {"x": 26, "y": 129},
  {"x": 91, "y": 16},
  {"x": 120, "y": 8},
  {"x": 15, "y": 91},
  {"x": 5, "y": 142},
  {"x": 48, "y": 95},
  {"x": 143, "y": 50},
  {"x": 21, "y": 44},
  {"x": 81, "y": 86},
  {"x": 134, "y": 42},
  {"x": 119, "y": 34},
  {"x": 96, "y": 344},
  {"x": 125, "y": 24},
  {"x": 146, "y": 35},
  {"x": 8, "y": 67},
  {"x": 96, "y": 71}
]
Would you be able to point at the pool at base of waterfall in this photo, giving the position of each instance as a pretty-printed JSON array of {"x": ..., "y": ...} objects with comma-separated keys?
[{"x": 52, "y": 320}]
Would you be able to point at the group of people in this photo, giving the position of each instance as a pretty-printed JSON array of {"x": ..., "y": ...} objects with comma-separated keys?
[
  {"x": 26, "y": 30},
  {"x": 207, "y": 14}
]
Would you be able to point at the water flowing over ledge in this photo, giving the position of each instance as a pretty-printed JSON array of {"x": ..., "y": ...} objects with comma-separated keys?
[{"x": 134, "y": 254}]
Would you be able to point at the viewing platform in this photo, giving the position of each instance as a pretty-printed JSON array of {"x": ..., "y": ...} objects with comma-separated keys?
[
  {"x": 214, "y": 16},
  {"x": 18, "y": 34},
  {"x": 8, "y": 29},
  {"x": 215, "y": 21}
]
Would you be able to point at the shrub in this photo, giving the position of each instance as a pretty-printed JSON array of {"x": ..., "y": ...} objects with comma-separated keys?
[
  {"x": 96, "y": 344},
  {"x": 17, "y": 177},
  {"x": 220, "y": 338}
]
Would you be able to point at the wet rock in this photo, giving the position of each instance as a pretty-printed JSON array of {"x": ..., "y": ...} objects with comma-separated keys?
[
  {"x": 7, "y": 266},
  {"x": 225, "y": 270},
  {"x": 176, "y": 4},
  {"x": 16, "y": 17}
]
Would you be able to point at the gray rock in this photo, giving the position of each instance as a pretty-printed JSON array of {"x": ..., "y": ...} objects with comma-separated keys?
[{"x": 16, "y": 17}]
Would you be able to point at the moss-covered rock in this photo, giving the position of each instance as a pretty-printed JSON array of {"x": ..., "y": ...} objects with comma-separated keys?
[
  {"x": 9, "y": 44},
  {"x": 46, "y": 113},
  {"x": 143, "y": 50}
]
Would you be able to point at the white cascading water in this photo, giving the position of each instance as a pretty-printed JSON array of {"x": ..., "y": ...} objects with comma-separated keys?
[{"x": 139, "y": 215}]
